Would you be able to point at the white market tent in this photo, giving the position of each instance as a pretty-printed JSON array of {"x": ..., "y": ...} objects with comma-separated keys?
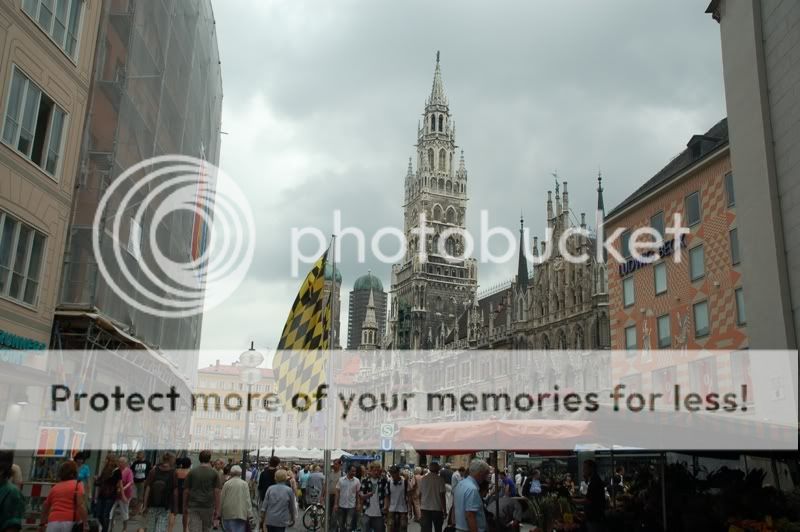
[{"x": 293, "y": 453}]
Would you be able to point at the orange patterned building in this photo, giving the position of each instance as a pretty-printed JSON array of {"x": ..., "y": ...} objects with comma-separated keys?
[{"x": 695, "y": 303}]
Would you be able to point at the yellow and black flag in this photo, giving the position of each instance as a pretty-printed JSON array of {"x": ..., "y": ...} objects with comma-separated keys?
[{"x": 299, "y": 363}]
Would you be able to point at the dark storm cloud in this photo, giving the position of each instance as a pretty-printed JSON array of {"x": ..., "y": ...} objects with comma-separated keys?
[{"x": 322, "y": 101}]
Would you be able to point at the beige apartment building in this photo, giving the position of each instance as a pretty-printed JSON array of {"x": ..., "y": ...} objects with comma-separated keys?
[
  {"x": 46, "y": 58},
  {"x": 224, "y": 430}
]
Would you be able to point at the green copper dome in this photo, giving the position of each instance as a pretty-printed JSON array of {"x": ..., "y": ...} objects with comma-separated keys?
[
  {"x": 328, "y": 269},
  {"x": 365, "y": 282}
]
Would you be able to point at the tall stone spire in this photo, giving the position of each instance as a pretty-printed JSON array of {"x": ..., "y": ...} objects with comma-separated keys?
[
  {"x": 600, "y": 206},
  {"x": 437, "y": 91},
  {"x": 601, "y": 214},
  {"x": 522, "y": 268},
  {"x": 369, "y": 328}
]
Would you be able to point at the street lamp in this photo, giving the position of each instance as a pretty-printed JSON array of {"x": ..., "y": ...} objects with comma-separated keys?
[
  {"x": 278, "y": 412},
  {"x": 250, "y": 374}
]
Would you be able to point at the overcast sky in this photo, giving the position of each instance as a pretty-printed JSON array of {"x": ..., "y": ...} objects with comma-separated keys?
[{"x": 322, "y": 101}]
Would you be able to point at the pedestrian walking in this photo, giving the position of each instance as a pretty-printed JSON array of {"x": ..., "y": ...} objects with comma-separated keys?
[
  {"x": 125, "y": 489},
  {"x": 433, "y": 502},
  {"x": 106, "y": 485},
  {"x": 267, "y": 477},
  {"x": 160, "y": 495},
  {"x": 184, "y": 464},
  {"x": 236, "y": 508},
  {"x": 397, "y": 501},
  {"x": 141, "y": 468},
  {"x": 346, "y": 499},
  {"x": 12, "y": 504},
  {"x": 65, "y": 505},
  {"x": 329, "y": 491},
  {"x": 315, "y": 486},
  {"x": 373, "y": 496},
  {"x": 467, "y": 501},
  {"x": 415, "y": 493},
  {"x": 279, "y": 508},
  {"x": 201, "y": 492}
]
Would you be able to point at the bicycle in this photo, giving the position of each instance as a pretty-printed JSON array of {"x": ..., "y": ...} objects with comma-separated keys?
[{"x": 314, "y": 517}]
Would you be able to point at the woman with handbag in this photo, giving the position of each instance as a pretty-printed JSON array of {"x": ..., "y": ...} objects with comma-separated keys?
[{"x": 64, "y": 510}]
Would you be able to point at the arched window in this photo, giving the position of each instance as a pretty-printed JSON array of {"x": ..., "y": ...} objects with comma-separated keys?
[
  {"x": 442, "y": 160},
  {"x": 433, "y": 123},
  {"x": 430, "y": 158},
  {"x": 451, "y": 212},
  {"x": 441, "y": 123},
  {"x": 450, "y": 246},
  {"x": 437, "y": 212},
  {"x": 441, "y": 184}
]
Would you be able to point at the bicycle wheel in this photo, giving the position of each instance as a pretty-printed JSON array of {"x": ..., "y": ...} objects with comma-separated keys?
[{"x": 314, "y": 517}]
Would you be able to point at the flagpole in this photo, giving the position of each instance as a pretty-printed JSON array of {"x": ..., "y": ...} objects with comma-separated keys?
[{"x": 329, "y": 372}]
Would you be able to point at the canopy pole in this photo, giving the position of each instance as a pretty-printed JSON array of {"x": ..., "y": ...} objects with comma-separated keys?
[
  {"x": 663, "y": 491},
  {"x": 497, "y": 487}
]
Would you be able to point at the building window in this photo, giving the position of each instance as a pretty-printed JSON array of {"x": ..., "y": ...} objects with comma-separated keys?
[
  {"x": 21, "y": 254},
  {"x": 734, "y": 234},
  {"x": 700, "y": 311},
  {"x": 61, "y": 23},
  {"x": 696, "y": 266},
  {"x": 625, "y": 239},
  {"x": 664, "y": 332},
  {"x": 741, "y": 317},
  {"x": 657, "y": 223},
  {"x": 33, "y": 123},
  {"x": 729, "y": 192},
  {"x": 627, "y": 292},
  {"x": 660, "y": 274},
  {"x": 693, "y": 209},
  {"x": 630, "y": 337}
]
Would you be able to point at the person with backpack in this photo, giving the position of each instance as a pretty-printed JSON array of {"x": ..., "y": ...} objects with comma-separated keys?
[
  {"x": 106, "y": 484},
  {"x": 160, "y": 495},
  {"x": 201, "y": 494},
  {"x": 65, "y": 505},
  {"x": 396, "y": 503}
]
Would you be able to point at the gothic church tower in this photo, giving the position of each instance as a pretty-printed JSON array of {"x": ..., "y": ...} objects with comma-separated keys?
[{"x": 429, "y": 293}]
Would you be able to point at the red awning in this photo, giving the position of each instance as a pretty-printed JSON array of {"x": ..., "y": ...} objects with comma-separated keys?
[{"x": 461, "y": 437}]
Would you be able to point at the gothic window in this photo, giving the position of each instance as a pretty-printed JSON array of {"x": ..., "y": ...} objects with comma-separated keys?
[
  {"x": 450, "y": 246},
  {"x": 437, "y": 212},
  {"x": 441, "y": 123},
  {"x": 562, "y": 340},
  {"x": 441, "y": 184},
  {"x": 449, "y": 188},
  {"x": 433, "y": 123},
  {"x": 430, "y": 158},
  {"x": 442, "y": 160},
  {"x": 545, "y": 342}
]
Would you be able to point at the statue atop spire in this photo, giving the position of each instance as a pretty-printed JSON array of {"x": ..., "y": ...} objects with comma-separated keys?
[{"x": 437, "y": 91}]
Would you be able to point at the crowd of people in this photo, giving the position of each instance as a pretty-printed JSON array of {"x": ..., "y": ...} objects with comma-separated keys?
[{"x": 140, "y": 496}]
